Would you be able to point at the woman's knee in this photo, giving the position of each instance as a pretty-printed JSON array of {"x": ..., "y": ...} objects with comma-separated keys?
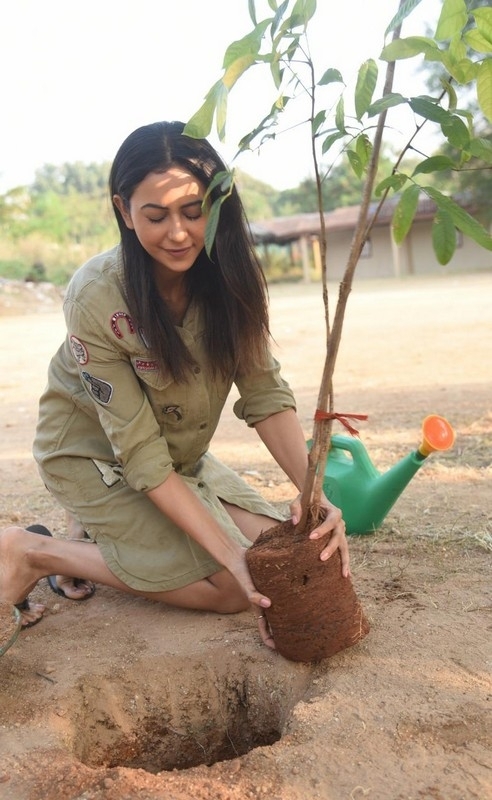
[{"x": 229, "y": 598}]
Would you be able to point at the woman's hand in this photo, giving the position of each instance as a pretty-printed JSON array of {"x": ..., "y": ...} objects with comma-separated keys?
[
  {"x": 332, "y": 525},
  {"x": 259, "y": 602}
]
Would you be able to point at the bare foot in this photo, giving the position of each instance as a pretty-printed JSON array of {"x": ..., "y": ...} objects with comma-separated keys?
[
  {"x": 73, "y": 588},
  {"x": 17, "y": 578},
  {"x": 30, "y": 612}
]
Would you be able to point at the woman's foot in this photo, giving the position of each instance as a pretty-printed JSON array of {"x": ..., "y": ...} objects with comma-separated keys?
[
  {"x": 71, "y": 588},
  {"x": 17, "y": 578},
  {"x": 31, "y": 613}
]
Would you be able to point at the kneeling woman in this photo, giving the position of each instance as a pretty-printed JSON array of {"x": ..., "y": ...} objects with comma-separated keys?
[{"x": 157, "y": 334}]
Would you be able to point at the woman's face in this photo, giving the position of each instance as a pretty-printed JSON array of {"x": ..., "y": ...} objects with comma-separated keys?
[{"x": 166, "y": 214}]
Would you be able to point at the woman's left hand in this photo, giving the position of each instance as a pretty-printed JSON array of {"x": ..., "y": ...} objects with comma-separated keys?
[{"x": 332, "y": 525}]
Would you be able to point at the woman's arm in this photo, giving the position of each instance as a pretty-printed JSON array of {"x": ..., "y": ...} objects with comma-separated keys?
[
  {"x": 282, "y": 434},
  {"x": 176, "y": 500}
]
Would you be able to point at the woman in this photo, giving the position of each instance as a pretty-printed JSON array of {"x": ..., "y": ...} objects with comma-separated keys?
[{"x": 157, "y": 333}]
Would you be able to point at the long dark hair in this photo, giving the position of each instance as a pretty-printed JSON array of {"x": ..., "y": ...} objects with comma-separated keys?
[{"x": 229, "y": 286}]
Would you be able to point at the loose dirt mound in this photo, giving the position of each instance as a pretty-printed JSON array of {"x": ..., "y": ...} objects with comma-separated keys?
[{"x": 117, "y": 698}]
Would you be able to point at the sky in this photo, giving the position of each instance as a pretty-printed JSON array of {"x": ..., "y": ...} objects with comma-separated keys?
[{"x": 77, "y": 78}]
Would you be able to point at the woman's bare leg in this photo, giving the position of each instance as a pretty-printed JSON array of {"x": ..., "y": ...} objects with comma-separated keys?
[
  {"x": 26, "y": 557},
  {"x": 74, "y": 588},
  {"x": 250, "y": 525}
]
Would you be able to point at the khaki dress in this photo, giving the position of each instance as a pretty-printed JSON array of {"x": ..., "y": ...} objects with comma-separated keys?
[{"x": 111, "y": 427}]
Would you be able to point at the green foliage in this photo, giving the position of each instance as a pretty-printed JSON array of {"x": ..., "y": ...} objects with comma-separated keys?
[
  {"x": 461, "y": 46},
  {"x": 62, "y": 219}
]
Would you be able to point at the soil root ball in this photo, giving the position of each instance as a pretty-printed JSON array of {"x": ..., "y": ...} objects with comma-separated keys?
[{"x": 315, "y": 611}]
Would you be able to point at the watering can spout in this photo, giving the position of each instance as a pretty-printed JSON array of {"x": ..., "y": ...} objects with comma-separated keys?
[
  {"x": 365, "y": 495},
  {"x": 437, "y": 435}
]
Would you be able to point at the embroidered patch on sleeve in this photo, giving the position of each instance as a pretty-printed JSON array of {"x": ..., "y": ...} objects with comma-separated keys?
[
  {"x": 115, "y": 323},
  {"x": 100, "y": 390},
  {"x": 110, "y": 473},
  {"x": 145, "y": 366},
  {"x": 79, "y": 351},
  {"x": 174, "y": 411}
]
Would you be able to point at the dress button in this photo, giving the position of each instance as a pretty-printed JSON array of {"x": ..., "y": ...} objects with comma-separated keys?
[
  {"x": 203, "y": 425},
  {"x": 200, "y": 484},
  {"x": 196, "y": 370}
]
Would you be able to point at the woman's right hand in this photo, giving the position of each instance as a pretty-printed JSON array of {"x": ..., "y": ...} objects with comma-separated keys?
[{"x": 259, "y": 602}]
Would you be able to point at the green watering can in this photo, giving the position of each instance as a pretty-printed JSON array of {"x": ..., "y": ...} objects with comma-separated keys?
[{"x": 364, "y": 495}]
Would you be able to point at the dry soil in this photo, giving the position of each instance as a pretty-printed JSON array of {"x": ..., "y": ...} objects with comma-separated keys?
[{"x": 117, "y": 698}]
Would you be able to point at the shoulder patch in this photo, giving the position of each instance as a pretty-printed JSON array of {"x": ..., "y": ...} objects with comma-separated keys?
[
  {"x": 102, "y": 391},
  {"x": 115, "y": 326},
  {"x": 79, "y": 351}
]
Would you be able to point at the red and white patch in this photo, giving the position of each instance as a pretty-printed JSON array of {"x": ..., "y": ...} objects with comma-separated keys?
[
  {"x": 115, "y": 323},
  {"x": 79, "y": 351},
  {"x": 145, "y": 366}
]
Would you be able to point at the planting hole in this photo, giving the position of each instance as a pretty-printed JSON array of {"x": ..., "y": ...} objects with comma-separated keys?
[{"x": 182, "y": 713}]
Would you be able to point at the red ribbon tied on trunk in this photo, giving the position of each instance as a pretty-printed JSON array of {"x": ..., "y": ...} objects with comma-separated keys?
[{"x": 343, "y": 418}]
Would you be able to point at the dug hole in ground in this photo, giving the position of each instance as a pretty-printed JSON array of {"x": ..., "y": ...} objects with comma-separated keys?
[{"x": 117, "y": 698}]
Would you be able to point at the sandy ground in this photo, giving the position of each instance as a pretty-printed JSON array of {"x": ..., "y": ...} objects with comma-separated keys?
[{"x": 117, "y": 698}]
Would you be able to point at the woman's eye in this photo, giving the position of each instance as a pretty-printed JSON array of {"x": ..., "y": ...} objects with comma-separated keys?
[
  {"x": 156, "y": 221},
  {"x": 193, "y": 216}
]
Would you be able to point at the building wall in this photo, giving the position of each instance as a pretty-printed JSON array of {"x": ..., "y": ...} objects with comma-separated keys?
[{"x": 414, "y": 257}]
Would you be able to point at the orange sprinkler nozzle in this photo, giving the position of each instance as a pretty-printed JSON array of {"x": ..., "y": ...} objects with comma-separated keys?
[{"x": 437, "y": 434}]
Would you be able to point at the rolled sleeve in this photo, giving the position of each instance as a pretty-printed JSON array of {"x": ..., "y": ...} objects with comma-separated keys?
[{"x": 262, "y": 394}]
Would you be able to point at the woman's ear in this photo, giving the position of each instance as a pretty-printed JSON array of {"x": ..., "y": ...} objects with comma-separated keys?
[{"x": 124, "y": 211}]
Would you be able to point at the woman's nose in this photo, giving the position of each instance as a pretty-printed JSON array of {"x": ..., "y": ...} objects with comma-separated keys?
[{"x": 177, "y": 231}]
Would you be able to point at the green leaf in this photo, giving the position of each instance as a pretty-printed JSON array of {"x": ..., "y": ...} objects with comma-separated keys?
[
  {"x": 330, "y": 140},
  {"x": 355, "y": 163},
  {"x": 461, "y": 219},
  {"x": 395, "y": 182},
  {"x": 363, "y": 148},
  {"x": 443, "y": 237},
  {"x": 303, "y": 10},
  {"x": 404, "y": 213},
  {"x": 452, "y": 19},
  {"x": 221, "y": 112},
  {"x": 212, "y": 224},
  {"x": 483, "y": 19},
  {"x": 456, "y": 132},
  {"x": 200, "y": 124},
  {"x": 463, "y": 70},
  {"x": 405, "y": 9},
  {"x": 279, "y": 13},
  {"x": 387, "y": 101},
  {"x": 364, "y": 89},
  {"x": 484, "y": 88},
  {"x": 429, "y": 110},
  {"x": 224, "y": 180},
  {"x": 474, "y": 39},
  {"x": 340, "y": 116},
  {"x": 330, "y": 76},
  {"x": 482, "y": 149},
  {"x": 410, "y": 47},
  {"x": 434, "y": 164},
  {"x": 318, "y": 121},
  {"x": 252, "y": 11},
  {"x": 451, "y": 94},
  {"x": 247, "y": 46}
]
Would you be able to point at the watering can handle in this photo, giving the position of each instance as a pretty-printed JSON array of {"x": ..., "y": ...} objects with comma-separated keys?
[{"x": 354, "y": 446}]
